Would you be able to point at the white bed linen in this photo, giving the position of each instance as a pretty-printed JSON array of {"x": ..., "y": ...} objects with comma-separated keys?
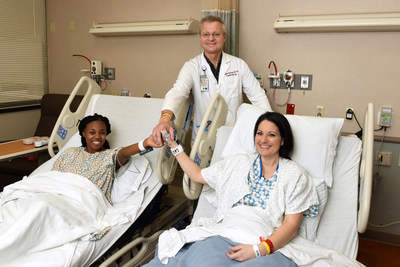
[
  {"x": 132, "y": 119},
  {"x": 337, "y": 239},
  {"x": 48, "y": 211},
  {"x": 338, "y": 226}
]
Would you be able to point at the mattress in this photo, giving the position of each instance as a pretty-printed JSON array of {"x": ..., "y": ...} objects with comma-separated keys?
[
  {"x": 132, "y": 119},
  {"x": 338, "y": 226}
]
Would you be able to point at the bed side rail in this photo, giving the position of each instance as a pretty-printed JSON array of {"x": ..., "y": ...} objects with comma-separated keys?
[
  {"x": 166, "y": 162},
  {"x": 366, "y": 167},
  {"x": 67, "y": 123},
  {"x": 203, "y": 147},
  {"x": 144, "y": 248}
]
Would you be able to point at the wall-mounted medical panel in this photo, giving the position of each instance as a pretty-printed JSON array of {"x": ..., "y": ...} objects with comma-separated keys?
[
  {"x": 188, "y": 26},
  {"x": 300, "y": 82},
  {"x": 371, "y": 22}
]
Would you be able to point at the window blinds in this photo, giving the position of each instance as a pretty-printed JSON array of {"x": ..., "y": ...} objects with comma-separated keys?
[{"x": 23, "y": 53}]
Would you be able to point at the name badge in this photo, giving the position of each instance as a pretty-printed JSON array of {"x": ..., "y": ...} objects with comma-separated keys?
[{"x": 203, "y": 83}]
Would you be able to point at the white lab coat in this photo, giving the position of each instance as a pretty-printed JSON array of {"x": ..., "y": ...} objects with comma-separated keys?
[{"x": 234, "y": 77}]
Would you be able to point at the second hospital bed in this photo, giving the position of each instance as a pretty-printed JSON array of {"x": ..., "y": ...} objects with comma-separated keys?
[
  {"x": 340, "y": 165},
  {"x": 132, "y": 119}
]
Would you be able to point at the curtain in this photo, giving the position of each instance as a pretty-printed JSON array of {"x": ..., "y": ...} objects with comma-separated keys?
[{"x": 228, "y": 11}]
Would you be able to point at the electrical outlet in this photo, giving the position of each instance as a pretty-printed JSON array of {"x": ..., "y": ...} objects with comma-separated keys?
[
  {"x": 384, "y": 158},
  {"x": 147, "y": 95},
  {"x": 349, "y": 113},
  {"x": 319, "y": 111}
]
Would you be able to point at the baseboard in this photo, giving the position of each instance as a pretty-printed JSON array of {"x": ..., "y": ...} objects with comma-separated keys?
[{"x": 381, "y": 237}]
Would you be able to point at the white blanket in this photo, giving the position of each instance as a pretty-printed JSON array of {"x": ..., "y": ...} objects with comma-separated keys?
[
  {"x": 44, "y": 216},
  {"x": 244, "y": 224}
]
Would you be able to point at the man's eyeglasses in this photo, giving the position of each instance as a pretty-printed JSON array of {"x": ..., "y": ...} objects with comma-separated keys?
[{"x": 208, "y": 35}]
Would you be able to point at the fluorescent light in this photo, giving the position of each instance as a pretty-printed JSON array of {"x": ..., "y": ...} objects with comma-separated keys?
[
  {"x": 146, "y": 28},
  {"x": 372, "y": 22}
]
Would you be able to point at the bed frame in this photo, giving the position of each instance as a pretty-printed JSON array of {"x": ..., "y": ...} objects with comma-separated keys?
[
  {"x": 67, "y": 123},
  {"x": 175, "y": 205},
  {"x": 204, "y": 143},
  {"x": 203, "y": 148},
  {"x": 193, "y": 190}
]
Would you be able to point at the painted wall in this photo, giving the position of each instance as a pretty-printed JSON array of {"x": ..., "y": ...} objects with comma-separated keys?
[
  {"x": 143, "y": 64},
  {"x": 349, "y": 70}
]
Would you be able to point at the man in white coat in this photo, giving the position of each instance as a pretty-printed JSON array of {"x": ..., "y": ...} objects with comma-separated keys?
[{"x": 210, "y": 72}]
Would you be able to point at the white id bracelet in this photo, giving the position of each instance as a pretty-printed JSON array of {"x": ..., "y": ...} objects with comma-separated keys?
[
  {"x": 177, "y": 150},
  {"x": 141, "y": 146},
  {"x": 257, "y": 250}
]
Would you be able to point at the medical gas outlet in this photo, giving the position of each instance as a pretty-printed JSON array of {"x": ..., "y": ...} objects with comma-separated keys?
[
  {"x": 300, "y": 81},
  {"x": 95, "y": 68}
]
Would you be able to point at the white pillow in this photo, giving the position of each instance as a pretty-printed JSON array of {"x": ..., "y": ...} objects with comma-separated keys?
[
  {"x": 315, "y": 140},
  {"x": 129, "y": 178}
]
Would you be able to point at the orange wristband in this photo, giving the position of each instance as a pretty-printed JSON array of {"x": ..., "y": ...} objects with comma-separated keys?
[{"x": 271, "y": 246}]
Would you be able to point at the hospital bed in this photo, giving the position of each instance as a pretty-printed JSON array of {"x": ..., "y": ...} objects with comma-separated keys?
[
  {"x": 132, "y": 119},
  {"x": 341, "y": 167}
]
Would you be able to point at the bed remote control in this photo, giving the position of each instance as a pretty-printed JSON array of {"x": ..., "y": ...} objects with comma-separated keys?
[{"x": 147, "y": 150}]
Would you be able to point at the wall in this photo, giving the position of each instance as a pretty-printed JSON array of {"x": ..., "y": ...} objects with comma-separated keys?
[
  {"x": 385, "y": 198},
  {"x": 349, "y": 70},
  {"x": 143, "y": 64},
  {"x": 18, "y": 125}
]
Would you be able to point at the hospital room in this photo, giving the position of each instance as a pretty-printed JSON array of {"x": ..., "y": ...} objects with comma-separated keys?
[{"x": 331, "y": 68}]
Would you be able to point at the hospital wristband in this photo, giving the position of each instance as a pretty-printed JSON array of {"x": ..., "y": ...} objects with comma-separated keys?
[
  {"x": 177, "y": 150},
  {"x": 257, "y": 250},
  {"x": 141, "y": 146}
]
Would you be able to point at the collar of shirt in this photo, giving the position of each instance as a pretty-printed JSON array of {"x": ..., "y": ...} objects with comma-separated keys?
[{"x": 214, "y": 70}]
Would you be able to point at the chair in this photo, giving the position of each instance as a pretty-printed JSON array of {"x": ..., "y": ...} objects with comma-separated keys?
[{"x": 51, "y": 106}]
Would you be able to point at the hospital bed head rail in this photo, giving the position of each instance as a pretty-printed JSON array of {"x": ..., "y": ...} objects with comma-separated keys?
[
  {"x": 366, "y": 166},
  {"x": 67, "y": 123},
  {"x": 166, "y": 162},
  {"x": 204, "y": 143}
]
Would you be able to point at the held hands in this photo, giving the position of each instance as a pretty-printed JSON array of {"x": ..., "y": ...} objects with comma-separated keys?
[
  {"x": 241, "y": 253},
  {"x": 149, "y": 141},
  {"x": 163, "y": 126},
  {"x": 169, "y": 138}
]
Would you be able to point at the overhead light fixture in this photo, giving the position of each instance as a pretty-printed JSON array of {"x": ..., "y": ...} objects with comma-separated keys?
[
  {"x": 369, "y": 22},
  {"x": 188, "y": 26}
]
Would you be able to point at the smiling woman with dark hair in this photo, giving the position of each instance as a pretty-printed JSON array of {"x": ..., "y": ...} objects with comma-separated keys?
[
  {"x": 94, "y": 159},
  {"x": 261, "y": 199}
]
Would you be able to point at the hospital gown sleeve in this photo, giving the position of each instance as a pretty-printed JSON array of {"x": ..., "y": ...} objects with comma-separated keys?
[{"x": 303, "y": 196}]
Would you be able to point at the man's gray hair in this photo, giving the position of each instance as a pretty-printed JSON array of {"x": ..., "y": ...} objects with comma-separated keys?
[{"x": 212, "y": 18}]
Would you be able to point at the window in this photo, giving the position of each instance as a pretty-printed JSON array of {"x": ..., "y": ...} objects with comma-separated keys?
[{"x": 23, "y": 56}]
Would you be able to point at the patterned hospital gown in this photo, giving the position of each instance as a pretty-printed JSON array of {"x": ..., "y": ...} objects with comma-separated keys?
[{"x": 98, "y": 167}]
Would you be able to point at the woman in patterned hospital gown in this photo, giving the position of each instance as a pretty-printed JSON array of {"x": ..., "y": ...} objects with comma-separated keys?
[
  {"x": 94, "y": 159},
  {"x": 252, "y": 192}
]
